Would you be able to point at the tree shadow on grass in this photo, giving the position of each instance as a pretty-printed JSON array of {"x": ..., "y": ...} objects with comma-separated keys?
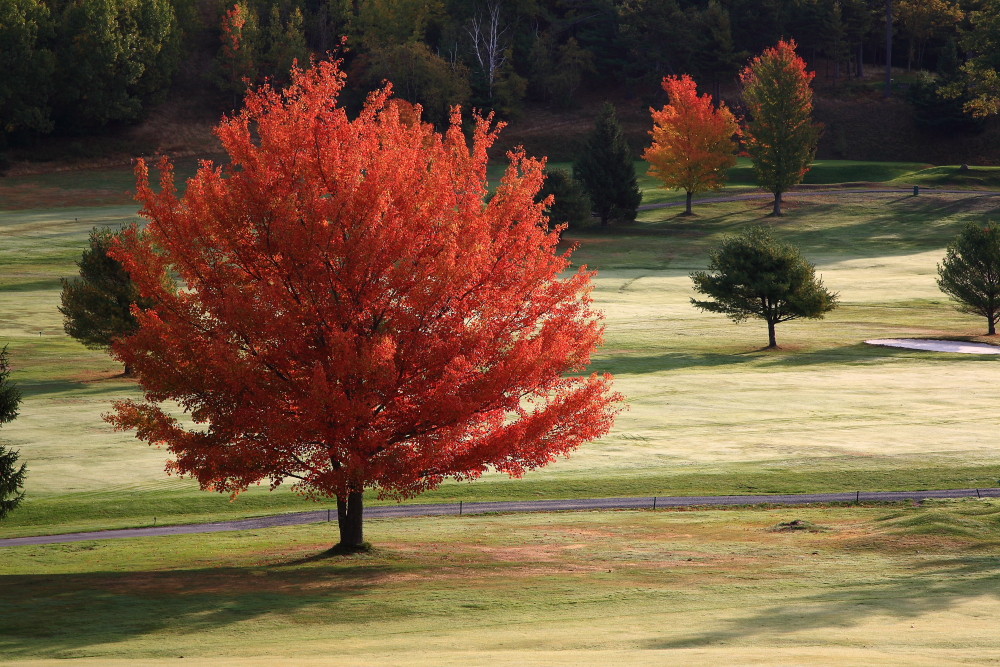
[
  {"x": 857, "y": 353},
  {"x": 61, "y": 616},
  {"x": 40, "y": 388},
  {"x": 668, "y": 361},
  {"x": 932, "y": 587}
]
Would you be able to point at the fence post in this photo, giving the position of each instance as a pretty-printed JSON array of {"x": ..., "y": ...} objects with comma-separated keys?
[
  {"x": 654, "y": 502},
  {"x": 459, "y": 508}
]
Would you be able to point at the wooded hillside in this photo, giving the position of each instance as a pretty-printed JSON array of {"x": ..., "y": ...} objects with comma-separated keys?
[{"x": 76, "y": 68}]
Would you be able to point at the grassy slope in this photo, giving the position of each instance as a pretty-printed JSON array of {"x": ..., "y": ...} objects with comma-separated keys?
[
  {"x": 708, "y": 411},
  {"x": 882, "y": 585}
]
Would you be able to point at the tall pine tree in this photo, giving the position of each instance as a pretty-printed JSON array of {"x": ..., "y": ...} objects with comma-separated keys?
[
  {"x": 11, "y": 476},
  {"x": 607, "y": 172}
]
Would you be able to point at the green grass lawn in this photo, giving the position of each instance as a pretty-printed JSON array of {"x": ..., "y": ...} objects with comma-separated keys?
[
  {"x": 827, "y": 586},
  {"x": 708, "y": 410}
]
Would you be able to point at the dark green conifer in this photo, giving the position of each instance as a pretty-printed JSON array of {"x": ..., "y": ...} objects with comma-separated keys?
[
  {"x": 11, "y": 475},
  {"x": 970, "y": 272},
  {"x": 607, "y": 172},
  {"x": 572, "y": 205},
  {"x": 97, "y": 306},
  {"x": 754, "y": 275}
]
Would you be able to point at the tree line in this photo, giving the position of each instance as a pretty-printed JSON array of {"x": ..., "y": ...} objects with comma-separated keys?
[{"x": 76, "y": 66}]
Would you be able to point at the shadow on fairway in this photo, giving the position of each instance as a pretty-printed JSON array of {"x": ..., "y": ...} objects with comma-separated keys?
[
  {"x": 859, "y": 353},
  {"x": 39, "y": 388},
  {"x": 56, "y": 616},
  {"x": 931, "y": 587}
]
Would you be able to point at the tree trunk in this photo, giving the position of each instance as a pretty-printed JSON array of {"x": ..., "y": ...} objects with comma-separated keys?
[
  {"x": 349, "y": 518},
  {"x": 688, "y": 211},
  {"x": 993, "y": 327},
  {"x": 888, "y": 49},
  {"x": 777, "y": 204},
  {"x": 772, "y": 341},
  {"x": 860, "y": 70}
]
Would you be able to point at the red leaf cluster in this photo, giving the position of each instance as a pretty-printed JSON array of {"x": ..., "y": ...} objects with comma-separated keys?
[{"x": 348, "y": 307}]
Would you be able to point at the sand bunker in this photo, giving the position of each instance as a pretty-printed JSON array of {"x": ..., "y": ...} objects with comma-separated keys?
[{"x": 937, "y": 345}]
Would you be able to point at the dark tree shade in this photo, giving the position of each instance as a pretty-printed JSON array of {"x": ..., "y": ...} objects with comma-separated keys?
[
  {"x": 97, "y": 306},
  {"x": 970, "y": 272},
  {"x": 754, "y": 275},
  {"x": 11, "y": 476},
  {"x": 607, "y": 171},
  {"x": 572, "y": 205}
]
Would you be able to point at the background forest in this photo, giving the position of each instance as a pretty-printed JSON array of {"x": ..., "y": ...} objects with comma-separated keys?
[{"x": 76, "y": 68}]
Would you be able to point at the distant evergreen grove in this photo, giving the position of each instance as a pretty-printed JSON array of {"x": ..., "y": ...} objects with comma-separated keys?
[{"x": 77, "y": 66}]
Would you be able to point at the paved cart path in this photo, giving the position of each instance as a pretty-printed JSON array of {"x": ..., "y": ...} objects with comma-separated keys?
[
  {"x": 763, "y": 194},
  {"x": 438, "y": 509}
]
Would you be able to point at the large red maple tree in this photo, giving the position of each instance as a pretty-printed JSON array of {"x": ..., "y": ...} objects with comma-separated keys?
[{"x": 353, "y": 310}]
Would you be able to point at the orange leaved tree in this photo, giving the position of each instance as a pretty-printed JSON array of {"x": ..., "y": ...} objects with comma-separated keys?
[
  {"x": 693, "y": 142},
  {"x": 352, "y": 311}
]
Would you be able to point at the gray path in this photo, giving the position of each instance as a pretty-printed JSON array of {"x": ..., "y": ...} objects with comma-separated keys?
[
  {"x": 762, "y": 194},
  {"x": 396, "y": 511}
]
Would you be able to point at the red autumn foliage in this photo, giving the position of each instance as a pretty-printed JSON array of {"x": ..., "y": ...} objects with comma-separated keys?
[
  {"x": 354, "y": 312},
  {"x": 693, "y": 142}
]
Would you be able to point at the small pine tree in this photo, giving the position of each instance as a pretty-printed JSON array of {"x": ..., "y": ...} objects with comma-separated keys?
[
  {"x": 97, "y": 306},
  {"x": 571, "y": 205},
  {"x": 607, "y": 171},
  {"x": 970, "y": 272},
  {"x": 780, "y": 136},
  {"x": 11, "y": 476},
  {"x": 753, "y": 275}
]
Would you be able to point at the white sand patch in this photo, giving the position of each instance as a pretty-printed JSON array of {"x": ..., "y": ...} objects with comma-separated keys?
[{"x": 937, "y": 345}]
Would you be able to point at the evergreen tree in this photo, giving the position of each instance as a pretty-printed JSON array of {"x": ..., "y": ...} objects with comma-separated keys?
[
  {"x": 781, "y": 136},
  {"x": 97, "y": 306},
  {"x": 11, "y": 476},
  {"x": 571, "y": 205},
  {"x": 607, "y": 171},
  {"x": 753, "y": 275},
  {"x": 970, "y": 272}
]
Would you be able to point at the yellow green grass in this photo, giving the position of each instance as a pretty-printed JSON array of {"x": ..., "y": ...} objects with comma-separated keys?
[
  {"x": 859, "y": 585},
  {"x": 708, "y": 410}
]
